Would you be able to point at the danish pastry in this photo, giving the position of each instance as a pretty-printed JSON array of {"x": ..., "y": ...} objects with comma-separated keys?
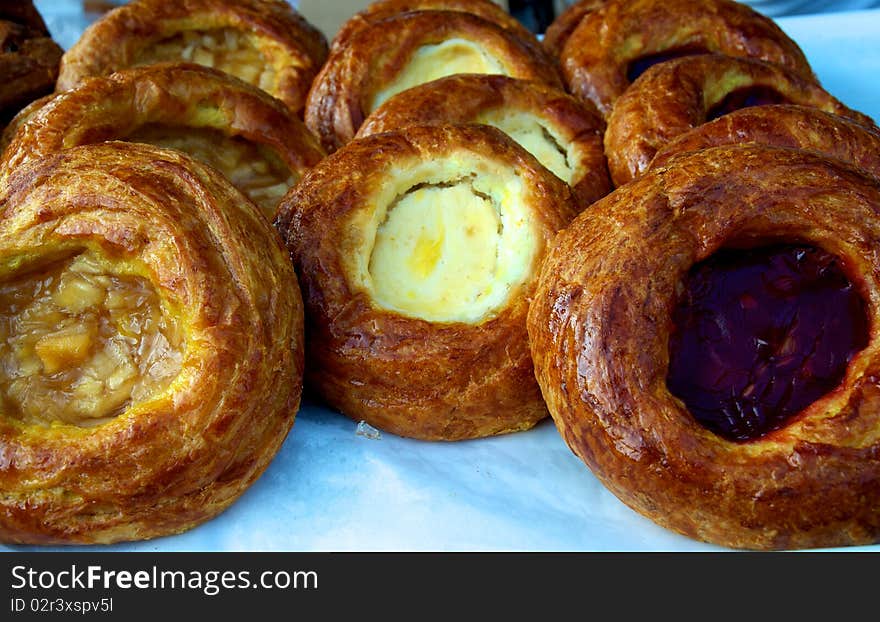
[
  {"x": 417, "y": 251},
  {"x": 675, "y": 96},
  {"x": 724, "y": 384},
  {"x": 381, "y": 9},
  {"x": 264, "y": 42},
  {"x": 784, "y": 125},
  {"x": 29, "y": 58},
  {"x": 562, "y": 133},
  {"x": 249, "y": 136},
  {"x": 152, "y": 345},
  {"x": 560, "y": 29},
  {"x": 614, "y": 44},
  {"x": 427, "y": 45}
]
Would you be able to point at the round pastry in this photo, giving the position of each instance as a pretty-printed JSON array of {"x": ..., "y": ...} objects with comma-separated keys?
[
  {"x": 560, "y": 29},
  {"x": 563, "y": 134},
  {"x": 427, "y": 45},
  {"x": 678, "y": 95},
  {"x": 614, "y": 44},
  {"x": 381, "y": 9},
  {"x": 247, "y": 135},
  {"x": 417, "y": 252},
  {"x": 725, "y": 384},
  {"x": 28, "y": 58},
  {"x": 152, "y": 345},
  {"x": 264, "y": 42},
  {"x": 784, "y": 125}
]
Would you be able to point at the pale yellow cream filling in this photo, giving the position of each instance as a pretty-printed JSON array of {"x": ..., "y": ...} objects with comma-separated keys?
[
  {"x": 431, "y": 62},
  {"x": 447, "y": 241},
  {"x": 536, "y": 136}
]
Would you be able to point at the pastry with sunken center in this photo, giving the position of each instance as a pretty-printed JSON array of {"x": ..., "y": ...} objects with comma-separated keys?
[
  {"x": 250, "y": 137},
  {"x": 676, "y": 96},
  {"x": 263, "y": 42},
  {"x": 563, "y": 134},
  {"x": 427, "y": 45},
  {"x": 152, "y": 352},
  {"x": 616, "y": 43},
  {"x": 418, "y": 250},
  {"x": 381, "y": 9},
  {"x": 784, "y": 125},
  {"x": 29, "y": 57},
  {"x": 565, "y": 23},
  {"x": 724, "y": 384}
]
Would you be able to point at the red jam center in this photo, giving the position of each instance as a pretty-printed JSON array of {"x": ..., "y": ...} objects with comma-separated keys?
[
  {"x": 745, "y": 98},
  {"x": 761, "y": 334}
]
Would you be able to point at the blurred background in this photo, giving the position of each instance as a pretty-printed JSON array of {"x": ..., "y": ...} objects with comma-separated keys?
[{"x": 67, "y": 18}]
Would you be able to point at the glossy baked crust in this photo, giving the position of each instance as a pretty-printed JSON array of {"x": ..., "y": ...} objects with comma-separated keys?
[
  {"x": 468, "y": 98},
  {"x": 600, "y": 328},
  {"x": 29, "y": 58},
  {"x": 784, "y": 125},
  {"x": 21, "y": 118},
  {"x": 342, "y": 94},
  {"x": 417, "y": 378},
  {"x": 676, "y": 96},
  {"x": 173, "y": 95},
  {"x": 288, "y": 44},
  {"x": 169, "y": 463},
  {"x": 564, "y": 24},
  {"x": 381, "y": 9},
  {"x": 597, "y": 56}
]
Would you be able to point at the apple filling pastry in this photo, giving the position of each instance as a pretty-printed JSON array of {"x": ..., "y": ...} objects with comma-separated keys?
[
  {"x": 226, "y": 49},
  {"x": 78, "y": 344},
  {"x": 252, "y": 168}
]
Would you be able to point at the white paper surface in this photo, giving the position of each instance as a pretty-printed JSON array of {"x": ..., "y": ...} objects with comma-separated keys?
[{"x": 330, "y": 489}]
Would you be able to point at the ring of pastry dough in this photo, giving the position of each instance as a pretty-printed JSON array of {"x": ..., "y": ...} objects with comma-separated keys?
[
  {"x": 564, "y": 24},
  {"x": 417, "y": 252},
  {"x": 784, "y": 125},
  {"x": 562, "y": 133},
  {"x": 381, "y": 9},
  {"x": 599, "y": 54},
  {"x": 427, "y": 45},
  {"x": 171, "y": 103},
  {"x": 174, "y": 458},
  {"x": 287, "y": 51},
  {"x": 676, "y": 96},
  {"x": 600, "y": 328}
]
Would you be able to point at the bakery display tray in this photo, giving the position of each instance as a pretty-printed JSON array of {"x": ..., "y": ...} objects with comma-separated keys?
[{"x": 332, "y": 488}]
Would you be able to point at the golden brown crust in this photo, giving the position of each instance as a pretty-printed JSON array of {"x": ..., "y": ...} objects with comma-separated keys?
[
  {"x": 597, "y": 56},
  {"x": 381, "y": 9},
  {"x": 784, "y": 125},
  {"x": 342, "y": 94},
  {"x": 172, "y": 94},
  {"x": 289, "y": 44},
  {"x": 600, "y": 328},
  {"x": 564, "y": 24},
  {"x": 428, "y": 380},
  {"x": 21, "y": 118},
  {"x": 463, "y": 98},
  {"x": 29, "y": 59},
  {"x": 678, "y": 95},
  {"x": 180, "y": 458}
]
